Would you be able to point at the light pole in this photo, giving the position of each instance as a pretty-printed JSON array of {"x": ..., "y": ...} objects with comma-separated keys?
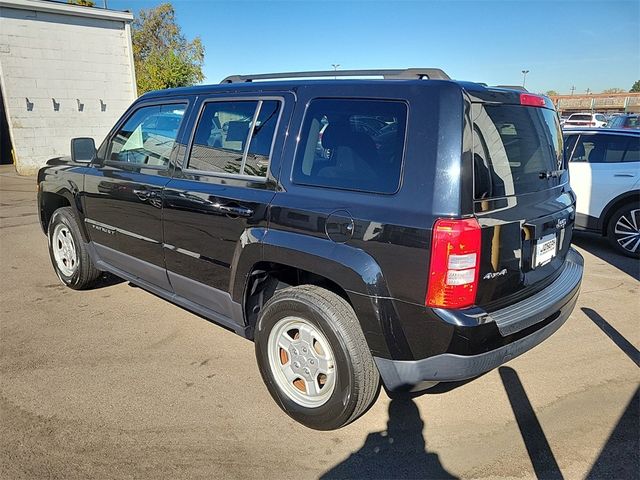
[
  {"x": 335, "y": 68},
  {"x": 524, "y": 76},
  {"x": 573, "y": 88}
]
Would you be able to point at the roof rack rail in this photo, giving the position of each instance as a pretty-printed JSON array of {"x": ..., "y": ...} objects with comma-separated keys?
[{"x": 401, "y": 74}]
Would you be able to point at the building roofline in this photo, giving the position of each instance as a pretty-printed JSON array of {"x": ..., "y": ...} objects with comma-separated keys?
[
  {"x": 67, "y": 9},
  {"x": 590, "y": 95}
]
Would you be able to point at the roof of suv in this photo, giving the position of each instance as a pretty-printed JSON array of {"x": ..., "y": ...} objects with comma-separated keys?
[
  {"x": 604, "y": 131},
  {"x": 470, "y": 87}
]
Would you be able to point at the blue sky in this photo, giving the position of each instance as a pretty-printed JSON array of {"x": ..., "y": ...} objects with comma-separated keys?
[{"x": 589, "y": 43}]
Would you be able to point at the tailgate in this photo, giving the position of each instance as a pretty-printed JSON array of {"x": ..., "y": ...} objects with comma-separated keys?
[{"x": 522, "y": 200}]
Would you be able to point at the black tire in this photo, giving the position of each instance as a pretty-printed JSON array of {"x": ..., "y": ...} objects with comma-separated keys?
[
  {"x": 356, "y": 376},
  {"x": 84, "y": 273},
  {"x": 620, "y": 230}
]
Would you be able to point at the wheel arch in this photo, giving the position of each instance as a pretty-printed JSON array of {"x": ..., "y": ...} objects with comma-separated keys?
[
  {"x": 288, "y": 259},
  {"x": 49, "y": 202},
  {"x": 614, "y": 205}
]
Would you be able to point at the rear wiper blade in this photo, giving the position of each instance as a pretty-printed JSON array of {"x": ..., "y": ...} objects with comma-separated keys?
[{"x": 550, "y": 174}]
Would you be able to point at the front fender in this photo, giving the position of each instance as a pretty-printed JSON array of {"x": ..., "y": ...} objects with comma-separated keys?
[{"x": 54, "y": 184}]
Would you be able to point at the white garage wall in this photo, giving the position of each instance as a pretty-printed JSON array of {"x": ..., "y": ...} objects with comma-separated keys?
[{"x": 67, "y": 56}]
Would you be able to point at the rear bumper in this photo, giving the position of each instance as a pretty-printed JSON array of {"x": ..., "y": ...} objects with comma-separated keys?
[{"x": 538, "y": 316}]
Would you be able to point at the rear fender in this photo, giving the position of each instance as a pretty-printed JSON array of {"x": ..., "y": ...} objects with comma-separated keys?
[{"x": 352, "y": 269}]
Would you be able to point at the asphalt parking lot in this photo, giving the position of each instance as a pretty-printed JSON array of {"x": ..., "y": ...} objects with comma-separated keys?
[{"x": 117, "y": 383}]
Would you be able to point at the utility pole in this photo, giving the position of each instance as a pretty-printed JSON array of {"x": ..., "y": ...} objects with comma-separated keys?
[
  {"x": 524, "y": 77},
  {"x": 335, "y": 68},
  {"x": 573, "y": 88}
]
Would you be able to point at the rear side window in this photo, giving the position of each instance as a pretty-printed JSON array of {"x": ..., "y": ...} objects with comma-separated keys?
[
  {"x": 512, "y": 146},
  {"x": 632, "y": 122},
  {"x": 235, "y": 137},
  {"x": 352, "y": 144},
  {"x": 606, "y": 149}
]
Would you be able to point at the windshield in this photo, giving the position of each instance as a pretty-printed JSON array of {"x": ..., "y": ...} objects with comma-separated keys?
[{"x": 513, "y": 146}]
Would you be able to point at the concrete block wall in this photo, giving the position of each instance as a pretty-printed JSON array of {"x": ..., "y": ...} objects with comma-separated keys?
[{"x": 49, "y": 64}]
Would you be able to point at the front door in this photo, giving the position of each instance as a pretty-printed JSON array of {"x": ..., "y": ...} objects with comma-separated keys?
[
  {"x": 123, "y": 200},
  {"x": 218, "y": 199}
]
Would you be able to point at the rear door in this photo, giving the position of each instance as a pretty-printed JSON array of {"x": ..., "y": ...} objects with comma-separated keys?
[
  {"x": 217, "y": 201},
  {"x": 603, "y": 166},
  {"x": 523, "y": 201}
]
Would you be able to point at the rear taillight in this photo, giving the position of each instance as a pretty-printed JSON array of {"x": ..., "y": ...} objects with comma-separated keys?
[
  {"x": 532, "y": 100},
  {"x": 592, "y": 124},
  {"x": 455, "y": 263}
]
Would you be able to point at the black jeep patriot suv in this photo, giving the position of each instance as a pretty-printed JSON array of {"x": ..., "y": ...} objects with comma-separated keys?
[{"x": 412, "y": 228}]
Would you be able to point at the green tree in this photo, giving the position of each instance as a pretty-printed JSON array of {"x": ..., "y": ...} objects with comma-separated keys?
[
  {"x": 635, "y": 87},
  {"x": 162, "y": 56},
  {"x": 613, "y": 90},
  {"x": 548, "y": 93},
  {"x": 84, "y": 3}
]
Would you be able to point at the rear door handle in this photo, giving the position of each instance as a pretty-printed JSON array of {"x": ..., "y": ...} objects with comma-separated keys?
[
  {"x": 239, "y": 211},
  {"x": 627, "y": 175}
]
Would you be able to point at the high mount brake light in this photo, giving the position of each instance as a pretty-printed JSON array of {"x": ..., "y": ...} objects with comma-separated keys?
[
  {"x": 532, "y": 100},
  {"x": 455, "y": 263}
]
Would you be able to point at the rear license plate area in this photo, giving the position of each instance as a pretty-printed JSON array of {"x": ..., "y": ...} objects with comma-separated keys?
[{"x": 545, "y": 250}]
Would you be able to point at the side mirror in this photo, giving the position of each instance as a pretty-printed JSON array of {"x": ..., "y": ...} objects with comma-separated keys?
[{"x": 83, "y": 149}]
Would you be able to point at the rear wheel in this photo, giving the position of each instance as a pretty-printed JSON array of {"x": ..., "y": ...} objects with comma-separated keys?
[
  {"x": 623, "y": 230},
  {"x": 68, "y": 252},
  {"x": 314, "y": 358}
]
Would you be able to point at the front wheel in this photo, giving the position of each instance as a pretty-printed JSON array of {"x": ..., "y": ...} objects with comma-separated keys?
[
  {"x": 623, "y": 230},
  {"x": 68, "y": 252},
  {"x": 314, "y": 358}
]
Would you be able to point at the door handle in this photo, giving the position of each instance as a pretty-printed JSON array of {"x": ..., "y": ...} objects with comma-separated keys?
[
  {"x": 230, "y": 210},
  {"x": 145, "y": 194},
  {"x": 627, "y": 175}
]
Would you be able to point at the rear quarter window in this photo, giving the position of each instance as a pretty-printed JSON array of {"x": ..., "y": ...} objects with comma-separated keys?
[{"x": 352, "y": 144}]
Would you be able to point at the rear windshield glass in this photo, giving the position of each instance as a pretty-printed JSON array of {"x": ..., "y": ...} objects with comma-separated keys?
[
  {"x": 580, "y": 118},
  {"x": 512, "y": 146}
]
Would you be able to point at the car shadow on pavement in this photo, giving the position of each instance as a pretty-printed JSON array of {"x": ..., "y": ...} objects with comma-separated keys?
[
  {"x": 617, "y": 338},
  {"x": 599, "y": 246},
  {"x": 399, "y": 452},
  {"x": 538, "y": 448}
]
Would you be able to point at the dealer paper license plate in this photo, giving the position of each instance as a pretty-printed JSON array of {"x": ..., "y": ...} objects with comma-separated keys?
[{"x": 545, "y": 249}]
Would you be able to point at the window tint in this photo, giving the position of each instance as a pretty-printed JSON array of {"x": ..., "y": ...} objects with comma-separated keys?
[
  {"x": 601, "y": 149},
  {"x": 352, "y": 144},
  {"x": 262, "y": 138},
  {"x": 569, "y": 144},
  {"x": 512, "y": 145},
  {"x": 633, "y": 150},
  {"x": 631, "y": 122},
  {"x": 580, "y": 118},
  {"x": 148, "y": 136},
  {"x": 220, "y": 141}
]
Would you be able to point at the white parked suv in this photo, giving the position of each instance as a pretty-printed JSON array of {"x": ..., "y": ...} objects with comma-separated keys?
[
  {"x": 604, "y": 170},
  {"x": 585, "y": 119}
]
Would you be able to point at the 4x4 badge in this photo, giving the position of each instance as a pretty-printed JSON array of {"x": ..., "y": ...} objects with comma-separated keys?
[{"x": 491, "y": 275}]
